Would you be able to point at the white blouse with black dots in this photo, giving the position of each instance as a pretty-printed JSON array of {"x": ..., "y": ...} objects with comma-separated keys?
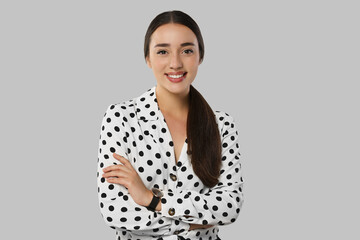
[{"x": 137, "y": 130}]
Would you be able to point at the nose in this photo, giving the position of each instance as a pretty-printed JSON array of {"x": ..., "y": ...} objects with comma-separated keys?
[{"x": 175, "y": 61}]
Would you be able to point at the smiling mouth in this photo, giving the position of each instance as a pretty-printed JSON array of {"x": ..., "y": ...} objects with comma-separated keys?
[{"x": 176, "y": 76}]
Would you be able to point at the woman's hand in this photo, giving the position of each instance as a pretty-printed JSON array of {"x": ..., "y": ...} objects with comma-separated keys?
[
  {"x": 127, "y": 176},
  {"x": 197, "y": 226}
]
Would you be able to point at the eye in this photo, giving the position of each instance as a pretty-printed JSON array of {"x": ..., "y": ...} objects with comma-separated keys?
[
  {"x": 191, "y": 51},
  {"x": 160, "y": 52}
]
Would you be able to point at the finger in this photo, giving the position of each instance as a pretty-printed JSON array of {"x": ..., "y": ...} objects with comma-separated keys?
[
  {"x": 121, "y": 181},
  {"x": 122, "y": 159},
  {"x": 117, "y": 168},
  {"x": 112, "y": 168},
  {"x": 117, "y": 173},
  {"x": 117, "y": 156}
]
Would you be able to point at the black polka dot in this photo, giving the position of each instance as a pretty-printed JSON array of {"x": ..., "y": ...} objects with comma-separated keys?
[{"x": 124, "y": 209}]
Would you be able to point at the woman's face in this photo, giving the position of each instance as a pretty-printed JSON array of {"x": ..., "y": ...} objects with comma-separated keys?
[{"x": 173, "y": 52}]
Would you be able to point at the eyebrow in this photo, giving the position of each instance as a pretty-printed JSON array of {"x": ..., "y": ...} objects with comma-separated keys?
[{"x": 167, "y": 44}]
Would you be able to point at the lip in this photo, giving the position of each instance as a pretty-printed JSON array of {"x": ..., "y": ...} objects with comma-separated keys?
[
  {"x": 175, "y": 73},
  {"x": 176, "y": 80}
]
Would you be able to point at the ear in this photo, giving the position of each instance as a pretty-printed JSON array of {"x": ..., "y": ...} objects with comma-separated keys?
[
  {"x": 148, "y": 61},
  {"x": 200, "y": 61}
]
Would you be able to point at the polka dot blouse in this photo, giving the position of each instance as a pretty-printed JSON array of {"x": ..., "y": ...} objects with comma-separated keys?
[{"x": 137, "y": 130}]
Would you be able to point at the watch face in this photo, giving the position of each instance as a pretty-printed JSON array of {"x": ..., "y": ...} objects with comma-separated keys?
[{"x": 157, "y": 192}]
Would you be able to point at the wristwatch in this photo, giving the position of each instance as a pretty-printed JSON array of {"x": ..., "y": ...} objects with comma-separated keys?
[{"x": 157, "y": 194}]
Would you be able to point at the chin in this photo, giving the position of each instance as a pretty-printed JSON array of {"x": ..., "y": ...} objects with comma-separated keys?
[
  {"x": 176, "y": 88},
  {"x": 179, "y": 88}
]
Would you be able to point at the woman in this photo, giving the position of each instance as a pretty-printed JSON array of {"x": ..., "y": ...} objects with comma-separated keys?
[{"x": 168, "y": 166}]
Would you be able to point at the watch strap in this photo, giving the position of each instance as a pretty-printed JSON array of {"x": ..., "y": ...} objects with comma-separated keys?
[{"x": 154, "y": 202}]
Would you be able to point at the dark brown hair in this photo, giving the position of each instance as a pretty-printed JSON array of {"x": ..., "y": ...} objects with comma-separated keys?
[{"x": 203, "y": 137}]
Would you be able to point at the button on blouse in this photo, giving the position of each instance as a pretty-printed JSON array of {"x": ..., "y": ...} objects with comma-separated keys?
[
  {"x": 137, "y": 130},
  {"x": 173, "y": 177}
]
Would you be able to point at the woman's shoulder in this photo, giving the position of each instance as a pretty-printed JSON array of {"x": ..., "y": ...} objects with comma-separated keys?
[
  {"x": 225, "y": 121},
  {"x": 135, "y": 106},
  {"x": 222, "y": 116},
  {"x": 125, "y": 107}
]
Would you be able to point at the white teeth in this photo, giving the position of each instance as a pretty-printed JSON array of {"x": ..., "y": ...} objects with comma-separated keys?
[{"x": 176, "y": 76}]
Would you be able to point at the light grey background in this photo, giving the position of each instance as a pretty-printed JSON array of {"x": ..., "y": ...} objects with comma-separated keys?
[{"x": 287, "y": 71}]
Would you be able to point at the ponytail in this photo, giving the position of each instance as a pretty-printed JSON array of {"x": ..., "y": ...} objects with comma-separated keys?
[{"x": 203, "y": 138}]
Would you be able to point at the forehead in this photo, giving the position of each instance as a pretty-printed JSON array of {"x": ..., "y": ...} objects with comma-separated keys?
[{"x": 174, "y": 34}]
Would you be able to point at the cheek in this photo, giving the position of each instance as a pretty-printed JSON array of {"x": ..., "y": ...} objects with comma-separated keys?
[
  {"x": 192, "y": 64},
  {"x": 159, "y": 70},
  {"x": 159, "y": 64}
]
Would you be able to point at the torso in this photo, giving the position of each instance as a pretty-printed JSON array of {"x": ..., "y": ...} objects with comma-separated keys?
[{"x": 177, "y": 128}]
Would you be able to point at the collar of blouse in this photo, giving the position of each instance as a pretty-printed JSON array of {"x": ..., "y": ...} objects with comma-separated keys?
[{"x": 147, "y": 107}]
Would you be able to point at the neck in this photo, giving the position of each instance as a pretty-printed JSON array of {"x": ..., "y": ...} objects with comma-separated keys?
[{"x": 176, "y": 105}]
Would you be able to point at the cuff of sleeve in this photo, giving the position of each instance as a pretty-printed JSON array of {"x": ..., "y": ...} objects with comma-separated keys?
[
  {"x": 178, "y": 205},
  {"x": 169, "y": 206},
  {"x": 177, "y": 227}
]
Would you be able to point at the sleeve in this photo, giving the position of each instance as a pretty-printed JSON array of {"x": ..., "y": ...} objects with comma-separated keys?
[
  {"x": 220, "y": 204},
  {"x": 117, "y": 207}
]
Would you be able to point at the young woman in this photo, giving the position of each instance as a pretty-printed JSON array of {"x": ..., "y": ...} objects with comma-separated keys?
[{"x": 168, "y": 166}]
